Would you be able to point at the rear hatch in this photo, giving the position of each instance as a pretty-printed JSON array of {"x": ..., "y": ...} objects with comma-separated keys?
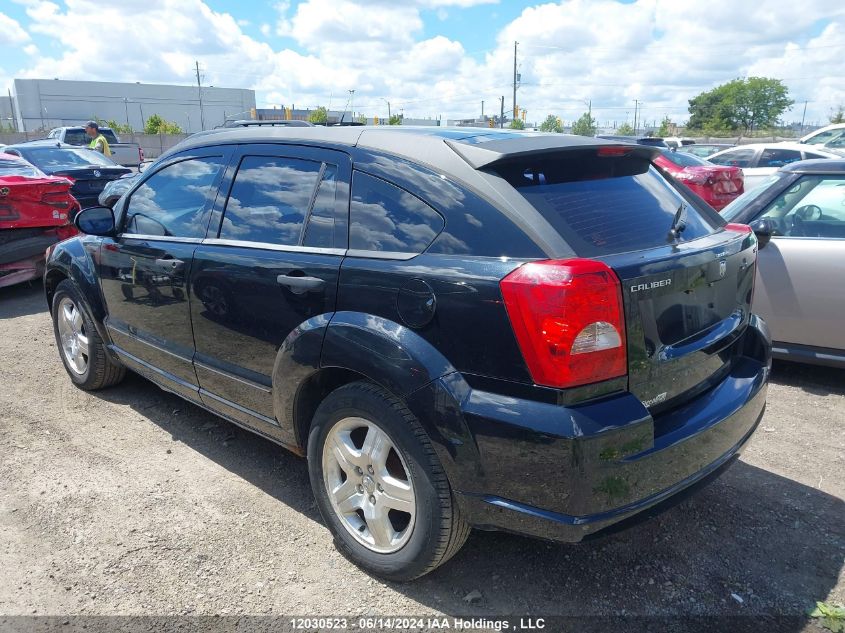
[
  {"x": 34, "y": 202},
  {"x": 686, "y": 281}
]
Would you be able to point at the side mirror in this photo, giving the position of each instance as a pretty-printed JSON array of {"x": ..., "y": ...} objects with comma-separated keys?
[
  {"x": 142, "y": 167},
  {"x": 95, "y": 221},
  {"x": 763, "y": 229}
]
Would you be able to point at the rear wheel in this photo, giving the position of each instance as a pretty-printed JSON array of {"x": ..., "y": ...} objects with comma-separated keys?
[
  {"x": 379, "y": 485},
  {"x": 80, "y": 347}
]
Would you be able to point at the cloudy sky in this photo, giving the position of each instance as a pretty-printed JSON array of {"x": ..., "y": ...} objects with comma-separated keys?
[{"x": 441, "y": 57}]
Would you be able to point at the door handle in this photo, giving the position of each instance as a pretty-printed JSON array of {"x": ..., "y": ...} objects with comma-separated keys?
[
  {"x": 301, "y": 285},
  {"x": 169, "y": 262}
]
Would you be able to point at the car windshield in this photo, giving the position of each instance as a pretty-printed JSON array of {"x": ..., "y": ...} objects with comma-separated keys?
[
  {"x": 19, "y": 168},
  {"x": 57, "y": 157},
  {"x": 738, "y": 205},
  {"x": 682, "y": 159},
  {"x": 823, "y": 138}
]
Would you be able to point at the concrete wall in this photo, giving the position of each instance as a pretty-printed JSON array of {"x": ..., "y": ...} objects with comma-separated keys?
[
  {"x": 48, "y": 103},
  {"x": 152, "y": 144}
]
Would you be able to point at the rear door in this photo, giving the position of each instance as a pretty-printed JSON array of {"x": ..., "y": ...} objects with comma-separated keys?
[
  {"x": 801, "y": 271},
  {"x": 145, "y": 268},
  {"x": 270, "y": 264}
]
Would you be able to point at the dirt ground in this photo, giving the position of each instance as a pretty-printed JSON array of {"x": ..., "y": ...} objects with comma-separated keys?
[{"x": 131, "y": 501}]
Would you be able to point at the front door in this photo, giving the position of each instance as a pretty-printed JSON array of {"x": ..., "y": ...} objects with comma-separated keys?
[
  {"x": 270, "y": 264},
  {"x": 144, "y": 270},
  {"x": 801, "y": 271}
]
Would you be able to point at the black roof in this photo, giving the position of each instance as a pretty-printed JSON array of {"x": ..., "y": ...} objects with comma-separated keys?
[
  {"x": 44, "y": 142},
  {"x": 816, "y": 166}
]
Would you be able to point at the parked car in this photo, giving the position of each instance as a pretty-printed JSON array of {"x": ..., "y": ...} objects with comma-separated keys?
[
  {"x": 799, "y": 216},
  {"x": 717, "y": 185},
  {"x": 831, "y": 138},
  {"x": 126, "y": 154},
  {"x": 89, "y": 170},
  {"x": 652, "y": 141},
  {"x": 676, "y": 142},
  {"x": 529, "y": 332},
  {"x": 114, "y": 189},
  {"x": 704, "y": 150},
  {"x": 759, "y": 160},
  {"x": 35, "y": 212}
]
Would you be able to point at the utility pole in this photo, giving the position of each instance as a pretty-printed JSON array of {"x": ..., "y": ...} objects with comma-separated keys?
[
  {"x": 515, "y": 44},
  {"x": 502, "y": 115},
  {"x": 636, "y": 107},
  {"x": 802, "y": 116},
  {"x": 126, "y": 107},
  {"x": 482, "y": 109},
  {"x": 199, "y": 93}
]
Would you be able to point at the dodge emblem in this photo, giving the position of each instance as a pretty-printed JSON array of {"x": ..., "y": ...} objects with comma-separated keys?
[
  {"x": 723, "y": 268},
  {"x": 96, "y": 173},
  {"x": 4, "y": 191}
]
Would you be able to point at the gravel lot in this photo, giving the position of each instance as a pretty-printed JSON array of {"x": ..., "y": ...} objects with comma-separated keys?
[{"x": 131, "y": 501}]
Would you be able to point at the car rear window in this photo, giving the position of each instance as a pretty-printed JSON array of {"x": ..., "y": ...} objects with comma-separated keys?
[
  {"x": 19, "y": 168},
  {"x": 606, "y": 205},
  {"x": 682, "y": 159}
]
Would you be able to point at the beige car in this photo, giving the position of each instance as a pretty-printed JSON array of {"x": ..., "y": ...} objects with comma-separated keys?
[{"x": 798, "y": 215}]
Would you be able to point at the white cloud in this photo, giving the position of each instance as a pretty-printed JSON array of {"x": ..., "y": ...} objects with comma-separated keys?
[
  {"x": 11, "y": 32},
  {"x": 661, "y": 52}
]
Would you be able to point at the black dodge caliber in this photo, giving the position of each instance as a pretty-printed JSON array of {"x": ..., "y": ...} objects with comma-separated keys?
[{"x": 457, "y": 328}]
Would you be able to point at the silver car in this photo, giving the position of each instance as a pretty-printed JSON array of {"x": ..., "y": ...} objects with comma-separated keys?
[{"x": 798, "y": 214}]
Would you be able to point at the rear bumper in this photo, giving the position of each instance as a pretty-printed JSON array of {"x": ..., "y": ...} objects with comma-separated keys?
[{"x": 564, "y": 473}]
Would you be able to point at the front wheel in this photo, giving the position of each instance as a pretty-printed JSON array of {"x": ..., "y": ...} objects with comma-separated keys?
[
  {"x": 81, "y": 349},
  {"x": 380, "y": 486}
]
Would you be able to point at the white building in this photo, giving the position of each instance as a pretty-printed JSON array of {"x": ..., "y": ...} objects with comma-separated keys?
[{"x": 48, "y": 103}]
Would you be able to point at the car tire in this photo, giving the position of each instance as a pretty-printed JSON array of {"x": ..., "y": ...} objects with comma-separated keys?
[
  {"x": 81, "y": 349},
  {"x": 360, "y": 423}
]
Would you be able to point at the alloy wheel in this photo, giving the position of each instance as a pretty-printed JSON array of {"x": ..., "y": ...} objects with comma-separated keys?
[
  {"x": 369, "y": 485},
  {"x": 74, "y": 339}
]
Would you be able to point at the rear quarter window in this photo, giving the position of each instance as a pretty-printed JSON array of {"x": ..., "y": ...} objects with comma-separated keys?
[
  {"x": 385, "y": 218},
  {"x": 603, "y": 205}
]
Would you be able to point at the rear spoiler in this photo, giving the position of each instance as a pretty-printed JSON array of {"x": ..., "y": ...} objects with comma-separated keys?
[{"x": 484, "y": 151}]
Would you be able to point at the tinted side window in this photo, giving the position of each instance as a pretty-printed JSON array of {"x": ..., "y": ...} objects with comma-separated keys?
[
  {"x": 778, "y": 157},
  {"x": 383, "y": 217},
  {"x": 735, "y": 158},
  {"x": 812, "y": 207},
  {"x": 174, "y": 201},
  {"x": 269, "y": 200},
  {"x": 110, "y": 137},
  {"x": 320, "y": 229}
]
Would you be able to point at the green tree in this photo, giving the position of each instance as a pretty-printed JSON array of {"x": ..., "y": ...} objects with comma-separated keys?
[
  {"x": 625, "y": 129},
  {"x": 741, "y": 104},
  {"x": 585, "y": 126},
  {"x": 319, "y": 116},
  {"x": 362, "y": 119},
  {"x": 395, "y": 119},
  {"x": 665, "y": 124},
  {"x": 158, "y": 125},
  {"x": 119, "y": 128},
  {"x": 551, "y": 124},
  {"x": 517, "y": 124},
  {"x": 838, "y": 115}
]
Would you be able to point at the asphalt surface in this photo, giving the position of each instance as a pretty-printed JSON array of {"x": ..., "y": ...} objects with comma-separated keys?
[{"x": 130, "y": 501}]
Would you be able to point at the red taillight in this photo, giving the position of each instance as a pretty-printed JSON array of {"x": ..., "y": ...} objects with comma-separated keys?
[
  {"x": 739, "y": 228},
  {"x": 612, "y": 150},
  {"x": 568, "y": 320},
  {"x": 58, "y": 199},
  {"x": 7, "y": 213}
]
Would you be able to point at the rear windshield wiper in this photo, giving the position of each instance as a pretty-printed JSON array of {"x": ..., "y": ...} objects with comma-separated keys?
[{"x": 679, "y": 223}]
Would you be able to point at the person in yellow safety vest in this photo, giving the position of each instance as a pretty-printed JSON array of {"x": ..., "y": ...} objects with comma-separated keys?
[{"x": 98, "y": 141}]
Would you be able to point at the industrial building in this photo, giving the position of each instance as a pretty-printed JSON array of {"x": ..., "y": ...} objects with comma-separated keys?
[{"x": 42, "y": 104}]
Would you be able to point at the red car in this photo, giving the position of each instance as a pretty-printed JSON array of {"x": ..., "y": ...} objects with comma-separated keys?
[
  {"x": 718, "y": 185},
  {"x": 36, "y": 211}
]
